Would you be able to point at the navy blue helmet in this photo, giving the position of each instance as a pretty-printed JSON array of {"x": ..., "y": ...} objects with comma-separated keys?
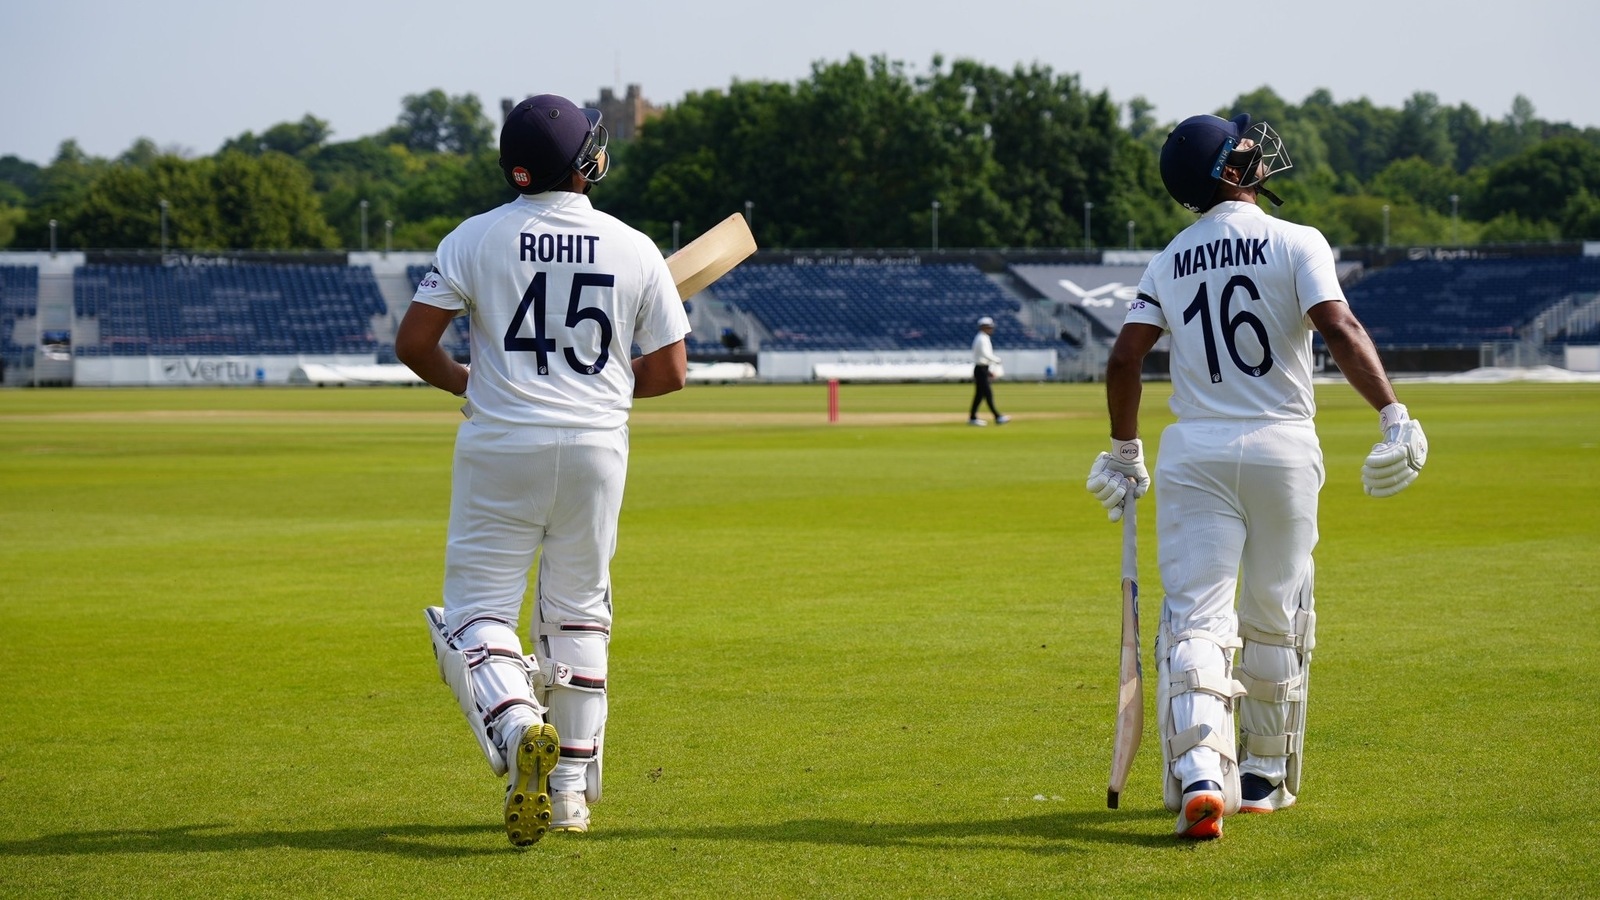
[{"x": 1201, "y": 147}]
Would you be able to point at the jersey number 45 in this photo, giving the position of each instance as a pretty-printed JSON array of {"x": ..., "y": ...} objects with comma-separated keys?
[{"x": 541, "y": 344}]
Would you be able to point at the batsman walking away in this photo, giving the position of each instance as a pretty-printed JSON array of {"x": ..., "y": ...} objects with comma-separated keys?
[
  {"x": 1239, "y": 472},
  {"x": 556, "y": 293}
]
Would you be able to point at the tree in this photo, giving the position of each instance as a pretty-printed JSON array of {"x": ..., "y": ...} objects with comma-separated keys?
[
  {"x": 25, "y": 176},
  {"x": 292, "y": 138},
  {"x": 1419, "y": 182},
  {"x": 436, "y": 123},
  {"x": 1536, "y": 186},
  {"x": 266, "y": 202},
  {"x": 1423, "y": 131}
]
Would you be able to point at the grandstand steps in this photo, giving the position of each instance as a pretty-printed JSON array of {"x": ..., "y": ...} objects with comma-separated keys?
[
  {"x": 711, "y": 318},
  {"x": 397, "y": 289},
  {"x": 1575, "y": 316}
]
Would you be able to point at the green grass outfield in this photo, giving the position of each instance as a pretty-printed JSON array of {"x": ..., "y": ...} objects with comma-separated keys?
[{"x": 869, "y": 659}]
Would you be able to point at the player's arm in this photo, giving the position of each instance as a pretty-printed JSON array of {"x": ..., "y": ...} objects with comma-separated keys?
[
  {"x": 1353, "y": 351},
  {"x": 1396, "y": 460},
  {"x": 1124, "y": 384},
  {"x": 1116, "y": 473},
  {"x": 662, "y": 371},
  {"x": 417, "y": 345}
]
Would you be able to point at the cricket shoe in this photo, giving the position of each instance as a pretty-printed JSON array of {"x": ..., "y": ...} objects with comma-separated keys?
[
  {"x": 1001, "y": 420},
  {"x": 528, "y": 791},
  {"x": 1259, "y": 795},
  {"x": 569, "y": 812},
  {"x": 978, "y": 422},
  {"x": 1200, "y": 813}
]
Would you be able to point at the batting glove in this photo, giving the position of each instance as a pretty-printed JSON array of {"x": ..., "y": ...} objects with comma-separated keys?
[
  {"x": 1116, "y": 473},
  {"x": 1397, "y": 460}
]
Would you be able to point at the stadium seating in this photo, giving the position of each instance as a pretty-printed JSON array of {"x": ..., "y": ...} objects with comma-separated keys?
[
  {"x": 1465, "y": 302},
  {"x": 239, "y": 309},
  {"x": 19, "y": 298},
  {"x": 880, "y": 307}
]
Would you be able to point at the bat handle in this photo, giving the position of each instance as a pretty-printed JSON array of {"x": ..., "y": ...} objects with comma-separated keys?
[{"x": 1130, "y": 538}]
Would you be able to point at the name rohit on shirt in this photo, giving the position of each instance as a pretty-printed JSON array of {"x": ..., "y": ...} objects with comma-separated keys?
[
  {"x": 559, "y": 248},
  {"x": 1220, "y": 253}
]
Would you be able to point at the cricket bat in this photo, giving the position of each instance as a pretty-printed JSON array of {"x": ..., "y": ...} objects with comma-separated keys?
[
  {"x": 711, "y": 255},
  {"x": 1130, "y": 693}
]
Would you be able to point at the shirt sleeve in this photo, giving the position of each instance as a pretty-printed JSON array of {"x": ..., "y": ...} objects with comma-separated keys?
[
  {"x": 1316, "y": 275},
  {"x": 662, "y": 319},
  {"x": 440, "y": 286},
  {"x": 1145, "y": 307}
]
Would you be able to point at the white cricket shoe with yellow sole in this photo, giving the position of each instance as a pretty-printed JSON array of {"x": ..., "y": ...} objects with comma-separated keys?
[{"x": 528, "y": 791}]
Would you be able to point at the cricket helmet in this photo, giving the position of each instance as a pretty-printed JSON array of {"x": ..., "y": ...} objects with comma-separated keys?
[
  {"x": 1201, "y": 147},
  {"x": 547, "y": 136}
]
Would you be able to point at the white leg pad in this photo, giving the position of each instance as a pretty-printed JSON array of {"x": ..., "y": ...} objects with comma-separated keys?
[
  {"x": 574, "y": 654},
  {"x": 489, "y": 676},
  {"x": 1217, "y": 736},
  {"x": 1276, "y": 672}
]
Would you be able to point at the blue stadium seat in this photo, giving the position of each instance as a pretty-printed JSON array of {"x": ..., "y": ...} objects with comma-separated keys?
[
  {"x": 881, "y": 307},
  {"x": 242, "y": 309},
  {"x": 1465, "y": 302}
]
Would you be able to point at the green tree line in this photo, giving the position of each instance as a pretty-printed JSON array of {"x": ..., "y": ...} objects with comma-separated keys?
[{"x": 863, "y": 153}]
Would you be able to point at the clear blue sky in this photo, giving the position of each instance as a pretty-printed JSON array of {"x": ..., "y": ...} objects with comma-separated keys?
[{"x": 189, "y": 74}]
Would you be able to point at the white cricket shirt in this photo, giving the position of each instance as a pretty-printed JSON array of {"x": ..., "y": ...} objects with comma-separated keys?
[
  {"x": 1233, "y": 290},
  {"x": 983, "y": 350},
  {"x": 558, "y": 292}
]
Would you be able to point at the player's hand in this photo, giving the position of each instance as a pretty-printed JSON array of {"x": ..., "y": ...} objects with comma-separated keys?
[
  {"x": 1397, "y": 460},
  {"x": 1115, "y": 474}
]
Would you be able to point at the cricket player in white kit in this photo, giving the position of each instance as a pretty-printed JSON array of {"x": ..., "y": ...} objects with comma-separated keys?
[
  {"x": 1239, "y": 472},
  {"x": 556, "y": 293}
]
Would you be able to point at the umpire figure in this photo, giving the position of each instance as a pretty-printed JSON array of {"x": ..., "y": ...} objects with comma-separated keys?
[{"x": 985, "y": 368}]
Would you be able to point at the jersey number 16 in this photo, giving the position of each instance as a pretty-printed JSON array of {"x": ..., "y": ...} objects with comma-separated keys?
[{"x": 1230, "y": 329}]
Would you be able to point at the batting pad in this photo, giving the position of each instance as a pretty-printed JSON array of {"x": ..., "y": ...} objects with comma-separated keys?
[
  {"x": 1173, "y": 690},
  {"x": 503, "y": 690}
]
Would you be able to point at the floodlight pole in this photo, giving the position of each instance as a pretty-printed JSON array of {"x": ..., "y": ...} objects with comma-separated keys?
[
  {"x": 1087, "y": 243},
  {"x": 363, "y": 226}
]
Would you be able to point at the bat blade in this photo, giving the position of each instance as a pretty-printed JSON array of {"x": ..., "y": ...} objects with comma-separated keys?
[
  {"x": 711, "y": 255},
  {"x": 1130, "y": 691}
]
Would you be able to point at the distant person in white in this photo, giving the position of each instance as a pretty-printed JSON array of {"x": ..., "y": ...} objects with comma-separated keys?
[
  {"x": 556, "y": 293},
  {"x": 1240, "y": 292},
  {"x": 985, "y": 368}
]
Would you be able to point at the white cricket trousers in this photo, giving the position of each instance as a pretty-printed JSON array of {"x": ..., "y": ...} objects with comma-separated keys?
[
  {"x": 517, "y": 490},
  {"x": 1236, "y": 514}
]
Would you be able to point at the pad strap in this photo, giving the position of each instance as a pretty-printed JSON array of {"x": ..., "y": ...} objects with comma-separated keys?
[
  {"x": 1196, "y": 634},
  {"x": 1290, "y": 691},
  {"x": 1201, "y": 735},
  {"x": 1273, "y": 744},
  {"x": 1205, "y": 682},
  {"x": 1296, "y": 641},
  {"x": 573, "y": 629}
]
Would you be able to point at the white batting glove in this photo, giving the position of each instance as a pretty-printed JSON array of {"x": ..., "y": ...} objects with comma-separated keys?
[
  {"x": 1116, "y": 473},
  {"x": 1397, "y": 460}
]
